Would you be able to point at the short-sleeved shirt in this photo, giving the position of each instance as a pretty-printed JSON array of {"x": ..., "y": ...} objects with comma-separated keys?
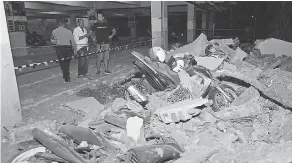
[
  {"x": 102, "y": 31},
  {"x": 63, "y": 36}
]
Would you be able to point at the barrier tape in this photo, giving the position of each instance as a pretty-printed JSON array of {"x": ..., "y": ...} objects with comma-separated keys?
[{"x": 134, "y": 45}]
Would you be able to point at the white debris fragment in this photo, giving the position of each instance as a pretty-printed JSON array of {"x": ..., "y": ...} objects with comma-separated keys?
[{"x": 134, "y": 126}]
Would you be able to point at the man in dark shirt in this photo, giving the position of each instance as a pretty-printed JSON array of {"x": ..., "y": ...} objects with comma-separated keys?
[{"x": 101, "y": 30}]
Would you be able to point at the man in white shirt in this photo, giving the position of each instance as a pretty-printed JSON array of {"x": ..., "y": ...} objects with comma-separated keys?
[
  {"x": 81, "y": 39},
  {"x": 65, "y": 47}
]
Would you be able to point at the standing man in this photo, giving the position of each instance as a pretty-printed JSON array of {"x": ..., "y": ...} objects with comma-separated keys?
[
  {"x": 81, "y": 39},
  {"x": 65, "y": 42},
  {"x": 102, "y": 31}
]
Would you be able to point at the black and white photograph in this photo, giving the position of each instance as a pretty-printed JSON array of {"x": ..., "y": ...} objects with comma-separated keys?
[{"x": 146, "y": 81}]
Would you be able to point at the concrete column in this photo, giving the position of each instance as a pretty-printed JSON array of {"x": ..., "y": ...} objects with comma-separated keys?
[
  {"x": 72, "y": 25},
  {"x": 164, "y": 25},
  {"x": 133, "y": 26},
  {"x": 10, "y": 103},
  {"x": 204, "y": 22},
  {"x": 156, "y": 25},
  {"x": 18, "y": 43},
  {"x": 211, "y": 23},
  {"x": 191, "y": 24},
  {"x": 159, "y": 24}
]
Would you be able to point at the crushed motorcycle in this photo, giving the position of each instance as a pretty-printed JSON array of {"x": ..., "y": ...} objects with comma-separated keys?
[{"x": 149, "y": 77}]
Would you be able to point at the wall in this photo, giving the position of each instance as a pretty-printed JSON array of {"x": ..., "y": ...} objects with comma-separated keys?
[{"x": 10, "y": 104}]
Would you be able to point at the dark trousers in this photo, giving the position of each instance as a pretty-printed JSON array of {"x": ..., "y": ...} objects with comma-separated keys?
[
  {"x": 82, "y": 61},
  {"x": 64, "y": 51}
]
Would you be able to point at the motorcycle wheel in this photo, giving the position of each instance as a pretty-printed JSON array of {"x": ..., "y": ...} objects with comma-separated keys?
[
  {"x": 24, "y": 155},
  {"x": 219, "y": 100}
]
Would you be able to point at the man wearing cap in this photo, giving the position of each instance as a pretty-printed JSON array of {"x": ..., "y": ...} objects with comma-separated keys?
[
  {"x": 102, "y": 31},
  {"x": 65, "y": 48}
]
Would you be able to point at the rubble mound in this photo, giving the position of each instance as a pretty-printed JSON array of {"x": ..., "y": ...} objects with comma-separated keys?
[{"x": 104, "y": 93}]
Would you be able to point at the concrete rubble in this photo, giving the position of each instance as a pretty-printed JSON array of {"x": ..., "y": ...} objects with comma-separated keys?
[{"x": 255, "y": 127}]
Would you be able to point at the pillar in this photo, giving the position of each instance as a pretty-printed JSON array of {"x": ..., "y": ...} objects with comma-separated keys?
[
  {"x": 10, "y": 103},
  {"x": 164, "y": 25},
  {"x": 204, "y": 22},
  {"x": 191, "y": 24},
  {"x": 72, "y": 23},
  {"x": 230, "y": 13},
  {"x": 211, "y": 23},
  {"x": 133, "y": 29},
  {"x": 159, "y": 24}
]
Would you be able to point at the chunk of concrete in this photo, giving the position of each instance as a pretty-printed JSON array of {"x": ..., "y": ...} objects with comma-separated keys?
[
  {"x": 85, "y": 106},
  {"x": 229, "y": 66},
  {"x": 119, "y": 103},
  {"x": 239, "y": 55},
  {"x": 223, "y": 41},
  {"x": 249, "y": 94},
  {"x": 210, "y": 63},
  {"x": 197, "y": 48},
  {"x": 200, "y": 154},
  {"x": 170, "y": 112},
  {"x": 23, "y": 134},
  {"x": 208, "y": 117},
  {"x": 134, "y": 127},
  {"x": 134, "y": 106},
  {"x": 275, "y": 46}
]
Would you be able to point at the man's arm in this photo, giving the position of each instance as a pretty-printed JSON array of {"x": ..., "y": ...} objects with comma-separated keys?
[
  {"x": 53, "y": 38},
  {"x": 72, "y": 40},
  {"x": 92, "y": 30},
  {"x": 114, "y": 32},
  {"x": 77, "y": 36}
]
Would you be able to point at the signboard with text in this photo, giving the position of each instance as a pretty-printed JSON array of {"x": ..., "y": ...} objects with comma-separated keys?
[{"x": 15, "y": 16}]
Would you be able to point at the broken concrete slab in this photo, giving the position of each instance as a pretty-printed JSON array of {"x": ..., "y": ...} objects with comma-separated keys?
[
  {"x": 172, "y": 113},
  {"x": 207, "y": 117},
  {"x": 118, "y": 104},
  {"x": 23, "y": 134},
  {"x": 85, "y": 106},
  {"x": 276, "y": 84},
  {"x": 239, "y": 55},
  {"x": 229, "y": 66},
  {"x": 210, "y": 63},
  {"x": 275, "y": 46},
  {"x": 223, "y": 41},
  {"x": 249, "y": 94},
  {"x": 197, "y": 155},
  {"x": 196, "y": 48},
  {"x": 246, "y": 105},
  {"x": 134, "y": 106}
]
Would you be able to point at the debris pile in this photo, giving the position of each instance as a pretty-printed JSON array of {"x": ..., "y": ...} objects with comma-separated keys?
[{"x": 201, "y": 120}]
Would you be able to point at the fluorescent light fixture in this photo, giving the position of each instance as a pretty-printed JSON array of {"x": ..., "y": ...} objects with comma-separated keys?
[
  {"x": 52, "y": 13},
  {"x": 120, "y": 14}
]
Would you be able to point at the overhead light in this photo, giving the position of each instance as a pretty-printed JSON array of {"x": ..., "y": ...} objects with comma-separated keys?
[{"x": 52, "y": 12}]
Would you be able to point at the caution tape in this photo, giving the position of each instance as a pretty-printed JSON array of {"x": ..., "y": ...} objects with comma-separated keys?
[{"x": 118, "y": 48}]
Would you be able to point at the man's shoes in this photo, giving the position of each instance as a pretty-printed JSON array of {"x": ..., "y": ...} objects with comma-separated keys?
[
  {"x": 80, "y": 76},
  {"x": 107, "y": 72},
  {"x": 98, "y": 72},
  {"x": 67, "y": 79}
]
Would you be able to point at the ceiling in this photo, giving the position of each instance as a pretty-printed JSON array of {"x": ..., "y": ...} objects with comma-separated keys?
[{"x": 53, "y": 9}]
